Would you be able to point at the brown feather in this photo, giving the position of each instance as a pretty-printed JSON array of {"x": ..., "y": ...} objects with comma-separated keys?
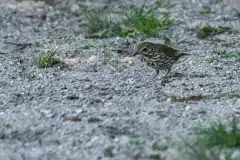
[{"x": 160, "y": 48}]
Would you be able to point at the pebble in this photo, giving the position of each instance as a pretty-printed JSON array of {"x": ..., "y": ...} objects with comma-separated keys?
[
  {"x": 75, "y": 9},
  {"x": 93, "y": 59},
  {"x": 187, "y": 107},
  {"x": 127, "y": 60}
]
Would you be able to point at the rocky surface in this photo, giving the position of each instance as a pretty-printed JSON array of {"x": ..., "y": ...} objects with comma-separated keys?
[{"x": 104, "y": 104}]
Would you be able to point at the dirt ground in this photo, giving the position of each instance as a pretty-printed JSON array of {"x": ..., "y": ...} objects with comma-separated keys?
[{"x": 102, "y": 104}]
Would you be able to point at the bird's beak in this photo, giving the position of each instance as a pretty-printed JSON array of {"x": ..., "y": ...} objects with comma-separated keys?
[{"x": 134, "y": 54}]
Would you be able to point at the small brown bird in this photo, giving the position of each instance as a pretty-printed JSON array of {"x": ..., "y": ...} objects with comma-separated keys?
[{"x": 158, "y": 56}]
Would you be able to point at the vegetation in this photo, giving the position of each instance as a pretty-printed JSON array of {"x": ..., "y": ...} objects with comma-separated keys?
[
  {"x": 232, "y": 54},
  {"x": 216, "y": 142},
  {"x": 205, "y": 11},
  {"x": 46, "y": 59},
  {"x": 207, "y": 31},
  {"x": 238, "y": 12},
  {"x": 138, "y": 20}
]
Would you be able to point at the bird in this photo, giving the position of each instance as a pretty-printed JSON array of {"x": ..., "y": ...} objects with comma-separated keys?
[{"x": 158, "y": 56}]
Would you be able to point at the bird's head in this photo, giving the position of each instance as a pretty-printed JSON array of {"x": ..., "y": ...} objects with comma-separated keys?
[{"x": 145, "y": 49}]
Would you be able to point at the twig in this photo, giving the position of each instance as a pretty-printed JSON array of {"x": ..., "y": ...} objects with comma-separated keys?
[
  {"x": 20, "y": 46},
  {"x": 2, "y": 52}
]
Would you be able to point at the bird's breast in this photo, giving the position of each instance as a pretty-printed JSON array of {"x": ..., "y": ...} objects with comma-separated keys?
[
  {"x": 150, "y": 61},
  {"x": 160, "y": 61}
]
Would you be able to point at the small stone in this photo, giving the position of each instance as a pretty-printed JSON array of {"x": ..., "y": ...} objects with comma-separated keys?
[
  {"x": 78, "y": 111},
  {"x": 187, "y": 107},
  {"x": 219, "y": 17},
  {"x": 94, "y": 120},
  {"x": 155, "y": 156},
  {"x": 92, "y": 141},
  {"x": 86, "y": 47},
  {"x": 72, "y": 97},
  {"x": 236, "y": 26},
  {"x": 172, "y": 154},
  {"x": 93, "y": 59},
  {"x": 77, "y": 29},
  {"x": 47, "y": 113},
  {"x": 75, "y": 9},
  {"x": 73, "y": 118},
  {"x": 127, "y": 60},
  {"x": 171, "y": 99},
  {"x": 190, "y": 62},
  {"x": 87, "y": 86},
  {"x": 237, "y": 102},
  {"x": 160, "y": 145},
  {"x": 130, "y": 81},
  {"x": 235, "y": 155},
  {"x": 108, "y": 152},
  {"x": 228, "y": 72}
]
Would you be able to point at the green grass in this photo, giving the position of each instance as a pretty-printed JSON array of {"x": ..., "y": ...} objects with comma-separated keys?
[
  {"x": 238, "y": 12},
  {"x": 221, "y": 135},
  {"x": 145, "y": 20},
  {"x": 232, "y": 54},
  {"x": 159, "y": 145},
  {"x": 37, "y": 43},
  {"x": 97, "y": 21},
  {"x": 213, "y": 142},
  {"x": 205, "y": 11},
  {"x": 208, "y": 31},
  {"x": 141, "y": 20},
  {"x": 46, "y": 59},
  {"x": 136, "y": 21},
  {"x": 100, "y": 21}
]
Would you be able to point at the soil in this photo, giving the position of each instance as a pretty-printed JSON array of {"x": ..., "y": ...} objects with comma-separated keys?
[{"x": 101, "y": 102}]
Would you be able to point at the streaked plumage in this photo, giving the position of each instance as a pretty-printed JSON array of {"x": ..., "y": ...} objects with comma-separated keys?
[{"x": 158, "y": 56}]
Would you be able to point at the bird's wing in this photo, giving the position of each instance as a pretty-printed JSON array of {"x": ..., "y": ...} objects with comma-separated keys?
[
  {"x": 171, "y": 52},
  {"x": 166, "y": 50}
]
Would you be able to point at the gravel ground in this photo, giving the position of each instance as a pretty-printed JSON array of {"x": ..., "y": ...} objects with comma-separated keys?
[{"x": 103, "y": 103}]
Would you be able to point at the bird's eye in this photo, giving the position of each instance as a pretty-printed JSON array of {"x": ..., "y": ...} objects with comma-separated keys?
[{"x": 144, "y": 49}]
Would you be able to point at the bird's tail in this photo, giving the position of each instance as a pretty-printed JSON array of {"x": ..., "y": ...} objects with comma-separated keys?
[{"x": 180, "y": 54}]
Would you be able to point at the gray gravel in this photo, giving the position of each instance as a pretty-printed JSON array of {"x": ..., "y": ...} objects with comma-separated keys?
[{"x": 104, "y": 105}]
